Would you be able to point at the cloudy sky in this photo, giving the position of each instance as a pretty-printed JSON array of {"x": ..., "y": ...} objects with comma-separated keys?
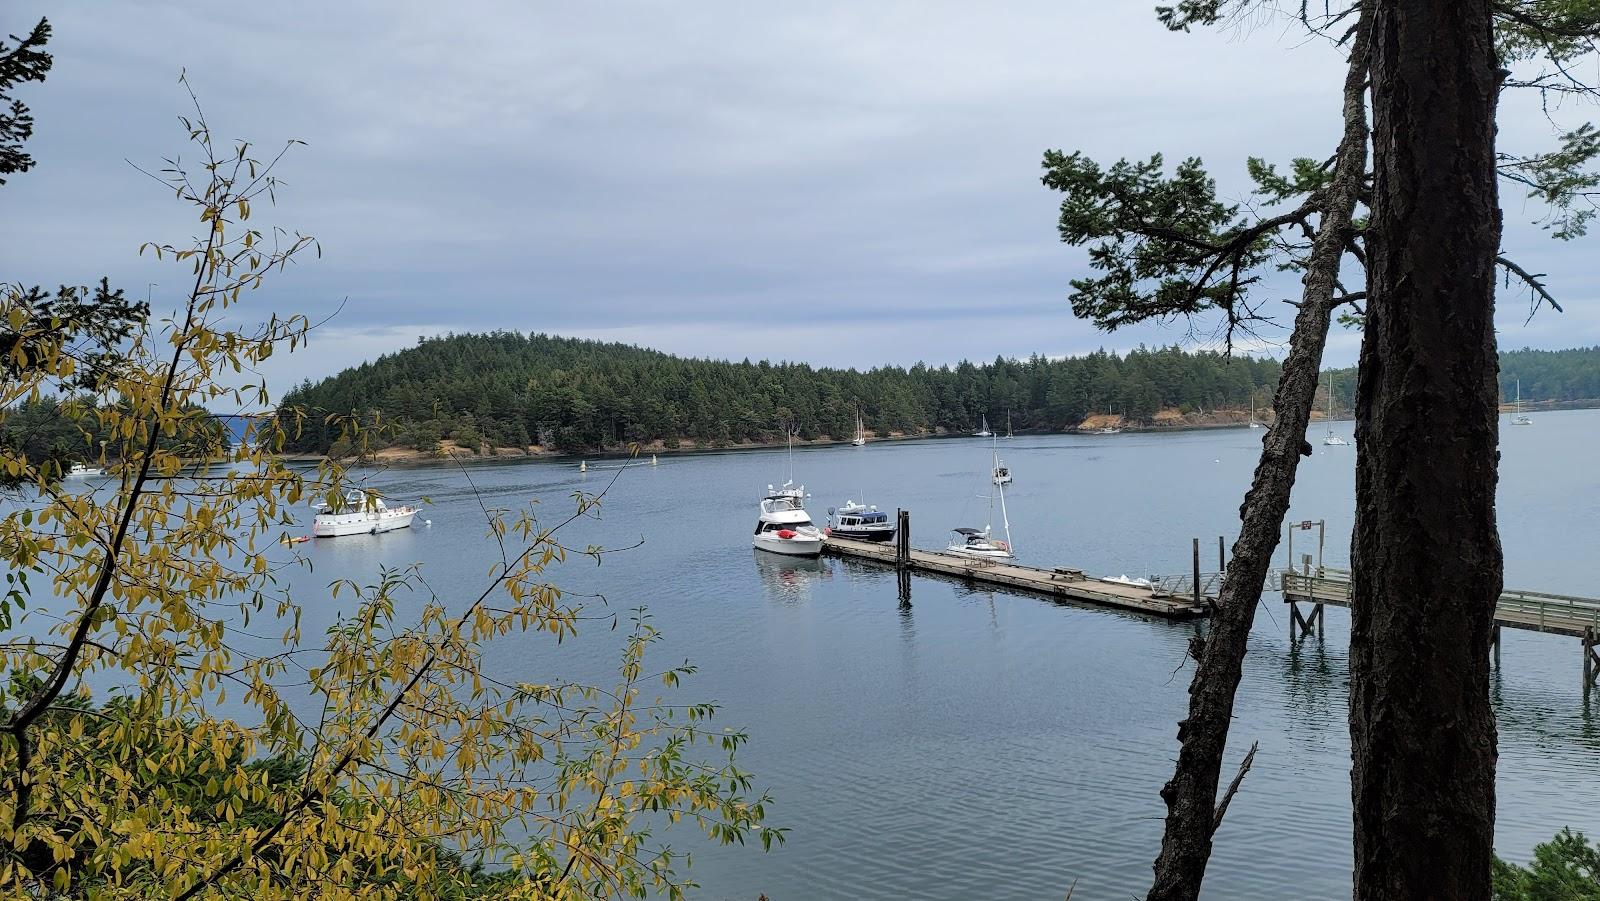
[{"x": 844, "y": 183}]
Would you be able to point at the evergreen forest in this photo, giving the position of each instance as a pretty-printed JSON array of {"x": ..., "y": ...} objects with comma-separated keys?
[{"x": 506, "y": 389}]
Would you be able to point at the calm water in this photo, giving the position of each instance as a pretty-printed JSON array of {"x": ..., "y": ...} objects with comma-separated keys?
[{"x": 982, "y": 745}]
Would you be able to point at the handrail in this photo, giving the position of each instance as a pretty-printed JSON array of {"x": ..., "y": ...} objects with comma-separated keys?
[{"x": 1547, "y": 606}]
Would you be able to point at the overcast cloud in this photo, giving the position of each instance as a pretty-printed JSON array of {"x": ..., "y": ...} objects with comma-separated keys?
[{"x": 839, "y": 182}]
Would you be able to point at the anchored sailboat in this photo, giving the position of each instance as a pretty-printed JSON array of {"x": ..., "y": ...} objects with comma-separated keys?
[
  {"x": 1009, "y": 433},
  {"x": 1518, "y": 418},
  {"x": 861, "y": 431},
  {"x": 1331, "y": 439},
  {"x": 983, "y": 428}
]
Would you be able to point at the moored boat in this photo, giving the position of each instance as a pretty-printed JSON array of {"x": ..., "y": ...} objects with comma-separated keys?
[
  {"x": 361, "y": 513},
  {"x": 784, "y": 526},
  {"x": 860, "y": 522}
]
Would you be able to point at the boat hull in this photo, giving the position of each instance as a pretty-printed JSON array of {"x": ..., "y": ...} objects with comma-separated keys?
[
  {"x": 341, "y": 524},
  {"x": 798, "y": 546},
  {"x": 981, "y": 553},
  {"x": 863, "y": 534}
]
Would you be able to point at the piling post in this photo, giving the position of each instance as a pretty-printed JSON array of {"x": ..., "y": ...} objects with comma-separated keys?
[
  {"x": 1494, "y": 643},
  {"x": 1197, "y": 572},
  {"x": 1222, "y": 556}
]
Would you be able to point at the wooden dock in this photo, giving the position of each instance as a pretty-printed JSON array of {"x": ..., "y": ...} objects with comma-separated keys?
[
  {"x": 1534, "y": 611},
  {"x": 1070, "y": 584}
]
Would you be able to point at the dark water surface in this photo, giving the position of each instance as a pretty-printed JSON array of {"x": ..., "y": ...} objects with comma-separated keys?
[{"x": 983, "y": 745}]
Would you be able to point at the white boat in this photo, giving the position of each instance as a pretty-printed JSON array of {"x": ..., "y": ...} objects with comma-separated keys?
[
  {"x": 983, "y": 428},
  {"x": 1518, "y": 418},
  {"x": 969, "y": 542},
  {"x": 860, "y": 522},
  {"x": 81, "y": 470},
  {"x": 1254, "y": 422},
  {"x": 1331, "y": 439},
  {"x": 1009, "y": 433},
  {"x": 1124, "y": 579},
  {"x": 784, "y": 527},
  {"x": 861, "y": 431},
  {"x": 1002, "y": 472},
  {"x": 360, "y": 514}
]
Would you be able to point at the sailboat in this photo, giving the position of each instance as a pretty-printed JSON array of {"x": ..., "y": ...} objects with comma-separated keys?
[
  {"x": 983, "y": 428},
  {"x": 969, "y": 542},
  {"x": 1001, "y": 472},
  {"x": 1331, "y": 439},
  {"x": 861, "y": 431},
  {"x": 1518, "y": 418},
  {"x": 1254, "y": 422},
  {"x": 1009, "y": 433}
]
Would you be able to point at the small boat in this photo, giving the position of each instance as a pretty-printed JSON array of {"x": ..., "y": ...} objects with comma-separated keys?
[
  {"x": 1254, "y": 422},
  {"x": 1518, "y": 418},
  {"x": 296, "y": 539},
  {"x": 969, "y": 542},
  {"x": 1002, "y": 472},
  {"x": 983, "y": 428},
  {"x": 861, "y": 431},
  {"x": 360, "y": 514},
  {"x": 1331, "y": 439},
  {"x": 977, "y": 543},
  {"x": 1009, "y": 433},
  {"x": 1124, "y": 579},
  {"x": 784, "y": 527},
  {"x": 860, "y": 522},
  {"x": 1108, "y": 430},
  {"x": 81, "y": 470}
]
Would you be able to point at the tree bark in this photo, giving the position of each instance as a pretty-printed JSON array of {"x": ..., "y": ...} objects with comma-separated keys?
[
  {"x": 1426, "y": 553},
  {"x": 1191, "y": 794}
]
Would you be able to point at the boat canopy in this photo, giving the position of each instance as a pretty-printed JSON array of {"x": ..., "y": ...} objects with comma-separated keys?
[{"x": 966, "y": 531}]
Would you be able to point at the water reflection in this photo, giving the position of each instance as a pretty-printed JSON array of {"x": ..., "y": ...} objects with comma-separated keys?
[{"x": 789, "y": 580}]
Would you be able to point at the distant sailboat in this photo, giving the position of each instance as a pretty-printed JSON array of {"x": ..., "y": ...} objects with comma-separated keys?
[
  {"x": 1518, "y": 418},
  {"x": 1331, "y": 439},
  {"x": 983, "y": 428},
  {"x": 1009, "y": 433},
  {"x": 861, "y": 431},
  {"x": 1254, "y": 423}
]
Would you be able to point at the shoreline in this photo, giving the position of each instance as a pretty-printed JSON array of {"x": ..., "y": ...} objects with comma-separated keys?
[{"x": 1165, "y": 422}]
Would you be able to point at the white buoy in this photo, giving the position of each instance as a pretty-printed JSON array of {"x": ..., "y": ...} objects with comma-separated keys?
[
  {"x": 427, "y": 522},
  {"x": 583, "y": 466}
]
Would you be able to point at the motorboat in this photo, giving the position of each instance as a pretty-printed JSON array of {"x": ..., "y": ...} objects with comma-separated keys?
[
  {"x": 1124, "y": 579},
  {"x": 83, "y": 470},
  {"x": 1002, "y": 472},
  {"x": 784, "y": 526},
  {"x": 361, "y": 513},
  {"x": 861, "y": 522}
]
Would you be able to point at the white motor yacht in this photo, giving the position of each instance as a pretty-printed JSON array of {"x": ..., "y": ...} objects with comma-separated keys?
[
  {"x": 784, "y": 526},
  {"x": 82, "y": 470},
  {"x": 360, "y": 514}
]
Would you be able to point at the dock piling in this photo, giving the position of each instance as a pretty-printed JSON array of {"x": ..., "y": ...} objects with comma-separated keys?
[{"x": 1197, "y": 600}]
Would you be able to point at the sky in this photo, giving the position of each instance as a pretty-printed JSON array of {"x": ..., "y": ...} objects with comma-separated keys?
[{"x": 841, "y": 183}]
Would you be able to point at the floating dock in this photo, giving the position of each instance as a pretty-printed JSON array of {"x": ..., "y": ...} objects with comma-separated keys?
[{"x": 1069, "y": 584}]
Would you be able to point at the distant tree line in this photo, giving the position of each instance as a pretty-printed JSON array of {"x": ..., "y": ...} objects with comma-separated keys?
[
  {"x": 71, "y": 430},
  {"x": 506, "y": 389}
]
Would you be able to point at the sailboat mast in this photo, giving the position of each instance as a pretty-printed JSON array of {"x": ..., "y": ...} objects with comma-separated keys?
[{"x": 1005, "y": 520}]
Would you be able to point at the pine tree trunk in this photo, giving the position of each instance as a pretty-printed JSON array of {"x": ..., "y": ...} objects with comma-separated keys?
[
  {"x": 1191, "y": 795},
  {"x": 1426, "y": 554}
]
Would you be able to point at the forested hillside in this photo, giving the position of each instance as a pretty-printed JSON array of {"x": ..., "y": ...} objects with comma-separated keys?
[{"x": 511, "y": 390}]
